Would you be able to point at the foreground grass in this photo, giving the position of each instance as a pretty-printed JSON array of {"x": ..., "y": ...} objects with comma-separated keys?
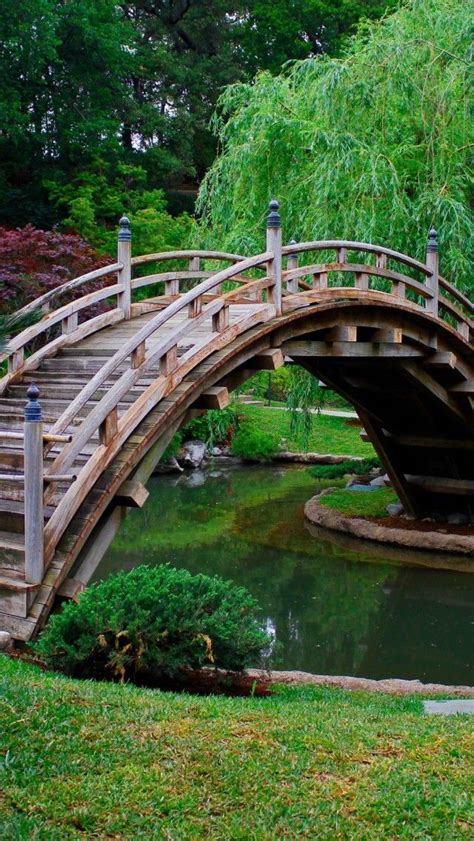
[
  {"x": 328, "y": 434},
  {"x": 104, "y": 761},
  {"x": 360, "y": 503}
]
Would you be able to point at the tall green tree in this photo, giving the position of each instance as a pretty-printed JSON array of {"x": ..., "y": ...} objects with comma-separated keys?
[
  {"x": 92, "y": 86},
  {"x": 271, "y": 34},
  {"x": 63, "y": 64},
  {"x": 374, "y": 146}
]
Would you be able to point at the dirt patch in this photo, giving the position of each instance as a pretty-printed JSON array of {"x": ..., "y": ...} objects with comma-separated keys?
[{"x": 420, "y": 525}]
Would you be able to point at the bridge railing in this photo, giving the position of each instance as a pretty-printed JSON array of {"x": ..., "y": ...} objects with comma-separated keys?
[
  {"x": 363, "y": 277},
  {"x": 69, "y": 323}
]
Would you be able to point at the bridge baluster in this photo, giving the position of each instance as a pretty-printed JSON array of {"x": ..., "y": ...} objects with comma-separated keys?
[
  {"x": 220, "y": 321},
  {"x": 195, "y": 307},
  {"x": 124, "y": 275},
  {"x": 16, "y": 360},
  {"x": 138, "y": 355},
  {"x": 169, "y": 361},
  {"x": 69, "y": 324},
  {"x": 362, "y": 281},
  {"x": 432, "y": 262},
  {"x": 33, "y": 469},
  {"x": 292, "y": 263},
  {"x": 320, "y": 280},
  {"x": 274, "y": 245},
  {"x": 108, "y": 428}
]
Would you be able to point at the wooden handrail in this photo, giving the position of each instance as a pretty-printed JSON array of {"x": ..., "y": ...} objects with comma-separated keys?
[
  {"x": 56, "y": 316},
  {"x": 351, "y": 245},
  {"x": 159, "y": 256},
  {"x": 457, "y": 295},
  {"x": 33, "y": 306},
  {"x": 360, "y": 268}
]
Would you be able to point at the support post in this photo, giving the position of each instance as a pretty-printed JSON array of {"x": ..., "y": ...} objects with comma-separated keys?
[
  {"x": 33, "y": 468},
  {"x": 292, "y": 263},
  {"x": 274, "y": 245},
  {"x": 124, "y": 275},
  {"x": 432, "y": 262}
]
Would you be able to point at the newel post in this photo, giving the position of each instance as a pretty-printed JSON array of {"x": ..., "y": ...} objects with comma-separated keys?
[
  {"x": 274, "y": 245},
  {"x": 124, "y": 275},
  {"x": 33, "y": 468},
  {"x": 432, "y": 263}
]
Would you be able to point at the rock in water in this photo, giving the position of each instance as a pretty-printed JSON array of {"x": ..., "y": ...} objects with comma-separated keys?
[
  {"x": 192, "y": 454},
  {"x": 395, "y": 509},
  {"x": 380, "y": 481},
  {"x": 195, "y": 479}
]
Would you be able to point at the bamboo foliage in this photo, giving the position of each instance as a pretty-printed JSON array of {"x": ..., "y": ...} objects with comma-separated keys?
[{"x": 374, "y": 146}]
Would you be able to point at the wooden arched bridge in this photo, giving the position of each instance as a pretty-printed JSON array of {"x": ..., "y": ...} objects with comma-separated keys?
[{"x": 381, "y": 328}]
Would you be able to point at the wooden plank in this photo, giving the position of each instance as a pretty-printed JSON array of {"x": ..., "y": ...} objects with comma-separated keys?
[
  {"x": 437, "y": 484},
  {"x": 71, "y": 588},
  {"x": 467, "y": 387},
  {"x": 427, "y": 441},
  {"x": 341, "y": 334},
  {"x": 266, "y": 360},
  {"x": 392, "y": 335},
  {"x": 388, "y": 456},
  {"x": 441, "y": 360},
  {"x": 213, "y": 398},
  {"x": 426, "y": 382},
  {"x": 132, "y": 494},
  {"x": 360, "y": 350}
]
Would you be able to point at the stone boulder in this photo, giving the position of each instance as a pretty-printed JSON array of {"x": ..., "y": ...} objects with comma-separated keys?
[
  {"x": 192, "y": 454},
  {"x": 380, "y": 481},
  {"x": 395, "y": 509}
]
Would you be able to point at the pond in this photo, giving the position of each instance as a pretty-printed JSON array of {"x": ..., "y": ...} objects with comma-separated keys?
[{"x": 335, "y": 605}]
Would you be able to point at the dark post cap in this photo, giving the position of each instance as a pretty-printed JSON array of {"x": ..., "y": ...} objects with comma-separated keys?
[
  {"x": 292, "y": 242},
  {"x": 33, "y": 409},
  {"x": 432, "y": 240},
  {"x": 125, "y": 233},
  {"x": 273, "y": 218}
]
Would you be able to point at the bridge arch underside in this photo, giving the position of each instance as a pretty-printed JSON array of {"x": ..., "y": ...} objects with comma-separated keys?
[{"x": 399, "y": 368}]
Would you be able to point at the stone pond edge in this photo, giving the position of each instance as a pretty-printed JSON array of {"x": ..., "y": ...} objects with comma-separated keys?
[
  {"x": 390, "y": 686},
  {"x": 321, "y": 515}
]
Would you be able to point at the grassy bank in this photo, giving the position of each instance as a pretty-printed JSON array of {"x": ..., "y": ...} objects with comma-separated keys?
[
  {"x": 360, "y": 503},
  {"x": 104, "y": 761},
  {"x": 328, "y": 435}
]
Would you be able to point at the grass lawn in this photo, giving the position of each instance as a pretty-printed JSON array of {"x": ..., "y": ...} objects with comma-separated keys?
[
  {"x": 360, "y": 503},
  {"x": 85, "y": 760},
  {"x": 328, "y": 435}
]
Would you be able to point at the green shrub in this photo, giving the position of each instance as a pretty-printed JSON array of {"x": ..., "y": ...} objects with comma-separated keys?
[
  {"x": 333, "y": 471},
  {"x": 174, "y": 446},
  {"x": 217, "y": 426},
  {"x": 253, "y": 444},
  {"x": 152, "y": 622}
]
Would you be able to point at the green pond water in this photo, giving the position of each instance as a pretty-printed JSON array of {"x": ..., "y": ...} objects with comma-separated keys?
[{"x": 335, "y": 605}]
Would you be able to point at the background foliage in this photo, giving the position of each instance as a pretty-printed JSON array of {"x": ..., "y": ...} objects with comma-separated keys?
[
  {"x": 374, "y": 146},
  {"x": 94, "y": 89}
]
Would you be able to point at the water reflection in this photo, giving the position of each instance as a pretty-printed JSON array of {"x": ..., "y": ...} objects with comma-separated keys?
[{"x": 337, "y": 606}]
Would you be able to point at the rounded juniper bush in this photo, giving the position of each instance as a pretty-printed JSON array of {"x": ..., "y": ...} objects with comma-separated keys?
[{"x": 150, "y": 623}]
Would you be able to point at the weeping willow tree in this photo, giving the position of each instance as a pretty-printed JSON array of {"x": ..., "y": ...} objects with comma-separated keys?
[{"x": 373, "y": 146}]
